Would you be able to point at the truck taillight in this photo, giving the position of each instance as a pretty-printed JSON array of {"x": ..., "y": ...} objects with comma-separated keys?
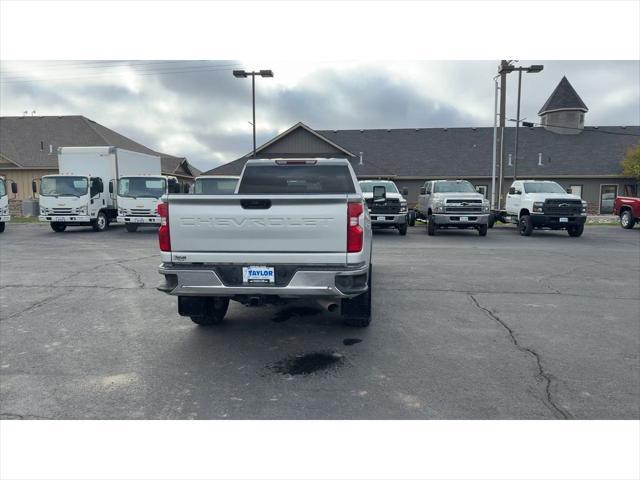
[
  {"x": 164, "y": 238},
  {"x": 354, "y": 229}
]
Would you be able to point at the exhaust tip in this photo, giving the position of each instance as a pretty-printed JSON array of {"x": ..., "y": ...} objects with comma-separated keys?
[{"x": 332, "y": 307}]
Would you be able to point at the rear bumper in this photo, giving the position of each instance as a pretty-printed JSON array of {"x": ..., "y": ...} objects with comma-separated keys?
[
  {"x": 85, "y": 219},
  {"x": 454, "y": 219},
  {"x": 553, "y": 221},
  {"x": 139, "y": 220},
  {"x": 388, "y": 219},
  {"x": 5, "y": 218},
  {"x": 328, "y": 282}
]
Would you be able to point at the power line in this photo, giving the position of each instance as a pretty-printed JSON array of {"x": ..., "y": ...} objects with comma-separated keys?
[
  {"x": 137, "y": 72},
  {"x": 107, "y": 65}
]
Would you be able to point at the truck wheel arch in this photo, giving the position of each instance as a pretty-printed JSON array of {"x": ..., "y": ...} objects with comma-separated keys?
[{"x": 523, "y": 212}]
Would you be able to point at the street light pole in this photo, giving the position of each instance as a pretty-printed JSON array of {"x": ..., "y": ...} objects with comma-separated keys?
[
  {"x": 245, "y": 74},
  {"x": 253, "y": 101}
]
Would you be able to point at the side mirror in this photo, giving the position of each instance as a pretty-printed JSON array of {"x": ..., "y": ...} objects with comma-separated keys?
[
  {"x": 423, "y": 191},
  {"x": 512, "y": 191},
  {"x": 100, "y": 186},
  {"x": 569, "y": 190},
  {"x": 379, "y": 193},
  {"x": 111, "y": 187},
  {"x": 405, "y": 191},
  {"x": 186, "y": 188},
  {"x": 34, "y": 186},
  {"x": 14, "y": 188}
]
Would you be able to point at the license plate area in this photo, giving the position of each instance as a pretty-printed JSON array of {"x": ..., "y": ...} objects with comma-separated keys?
[
  {"x": 59, "y": 219},
  {"x": 258, "y": 274},
  {"x": 139, "y": 220},
  {"x": 564, "y": 220},
  {"x": 464, "y": 219}
]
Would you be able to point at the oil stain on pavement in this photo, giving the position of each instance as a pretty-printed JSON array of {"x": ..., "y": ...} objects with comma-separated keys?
[
  {"x": 308, "y": 363},
  {"x": 350, "y": 341}
]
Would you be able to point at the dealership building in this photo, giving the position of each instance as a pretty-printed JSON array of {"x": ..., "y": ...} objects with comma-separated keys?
[{"x": 585, "y": 158}]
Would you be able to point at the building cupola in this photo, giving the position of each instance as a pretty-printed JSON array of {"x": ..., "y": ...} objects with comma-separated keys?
[{"x": 564, "y": 111}]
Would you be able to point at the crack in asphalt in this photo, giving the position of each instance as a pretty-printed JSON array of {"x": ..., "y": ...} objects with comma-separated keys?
[
  {"x": 557, "y": 410},
  {"x": 17, "y": 416},
  {"x": 490, "y": 292},
  {"x": 134, "y": 272},
  {"x": 118, "y": 262},
  {"x": 31, "y": 307}
]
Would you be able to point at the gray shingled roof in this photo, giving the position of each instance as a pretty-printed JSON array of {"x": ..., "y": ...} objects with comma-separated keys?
[
  {"x": 564, "y": 97},
  {"x": 467, "y": 152},
  {"x": 21, "y": 137}
]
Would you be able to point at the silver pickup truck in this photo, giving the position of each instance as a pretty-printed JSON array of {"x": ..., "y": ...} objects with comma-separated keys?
[
  {"x": 452, "y": 204},
  {"x": 295, "y": 229}
]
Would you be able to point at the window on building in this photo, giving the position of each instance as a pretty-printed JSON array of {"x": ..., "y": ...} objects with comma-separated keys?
[{"x": 608, "y": 194}]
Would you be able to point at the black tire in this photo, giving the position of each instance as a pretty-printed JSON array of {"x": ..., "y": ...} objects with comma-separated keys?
[
  {"x": 575, "y": 230},
  {"x": 403, "y": 229},
  {"x": 492, "y": 220},
  {"x": 626, "y": 220},
  {"x": 356, "y": 312},
  {"x": 411, "y": 218},
  {"x": 217, "y": 311},
  {"x": 482, "y": 230},
  {"x": 525, "y": 226},
  {"x": 2, "y": 226},
  {"x": 131, "y": 227},
  {"x": 58, "y": 226},
  {"x": 431, "y": 226},
  {"x": 100, "y": 224}
]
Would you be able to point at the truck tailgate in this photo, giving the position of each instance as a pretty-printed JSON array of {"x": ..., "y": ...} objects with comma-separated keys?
[{"x": 252, "y": 228}]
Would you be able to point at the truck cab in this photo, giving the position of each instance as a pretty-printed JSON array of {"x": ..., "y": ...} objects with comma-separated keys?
[
  {"x": 538, "y": 204},
  {"x": 4, "y": 201},
  {"x": 138, "y": 197},
  {"x": 452, "y": 204},
  {"x": 215, "y": 185},
  {"x": 74, "y": 200},
  {"x": 388, "y": 209}
]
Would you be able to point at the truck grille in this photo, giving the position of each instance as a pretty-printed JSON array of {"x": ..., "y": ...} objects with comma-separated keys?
[
  {"x": 140, "y": 212},
  {"x": 463, "y": 205},
  {"x": 62, "y": 211},
  {"x": 562, "y": 207},
  {"x": 389, "y": 206}
]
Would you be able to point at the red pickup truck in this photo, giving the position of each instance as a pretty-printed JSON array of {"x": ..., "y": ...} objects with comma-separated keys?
[{"x": 628, "y": 209}]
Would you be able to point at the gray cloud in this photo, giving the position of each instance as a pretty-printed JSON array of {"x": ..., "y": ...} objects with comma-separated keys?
[{"x": 204, "y": 114}]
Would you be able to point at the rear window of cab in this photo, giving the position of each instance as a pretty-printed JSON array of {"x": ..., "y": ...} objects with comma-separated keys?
[{"x": 296, "y": 180}]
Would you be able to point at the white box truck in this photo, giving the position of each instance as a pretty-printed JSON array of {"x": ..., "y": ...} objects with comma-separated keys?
[
  {"x": 140, "y": 186},
  {"x": 4, "y": 201},
  {"x": 83, "y": 194}
]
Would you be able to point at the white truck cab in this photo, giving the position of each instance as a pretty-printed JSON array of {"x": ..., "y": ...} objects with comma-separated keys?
[
  {"x": 216, "y": 184},
  {"x": 4, "y": 201},
  {"x": 74, "y": 200},
  {"x": 77, "y": 196},
  {"x": 543, "y": 204},
  {"x": 138, "y": 198}
]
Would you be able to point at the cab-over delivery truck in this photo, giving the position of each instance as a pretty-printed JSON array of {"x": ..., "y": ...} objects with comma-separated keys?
[
  {"x": 4, "y": 201},
  {"x": 83, "y": 194}
]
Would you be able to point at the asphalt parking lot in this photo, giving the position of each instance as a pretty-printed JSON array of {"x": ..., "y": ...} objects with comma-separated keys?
[{"x": 502, "y": 327}]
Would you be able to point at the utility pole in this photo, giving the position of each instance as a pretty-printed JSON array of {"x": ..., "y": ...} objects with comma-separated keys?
[
  {"x": 515, "y": 155},
  {"x": 503, "y": 107}
]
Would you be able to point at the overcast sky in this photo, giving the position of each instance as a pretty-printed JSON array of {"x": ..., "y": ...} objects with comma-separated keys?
[{"x": 200, "y": 111}]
